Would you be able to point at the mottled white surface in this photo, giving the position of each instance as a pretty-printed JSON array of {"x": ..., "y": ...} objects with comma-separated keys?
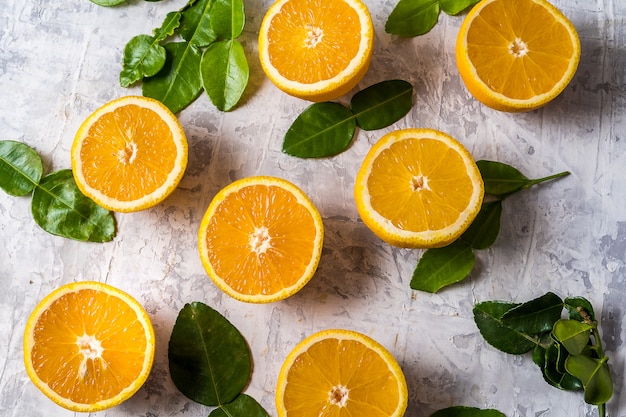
[{"x": 60, "y": 60}]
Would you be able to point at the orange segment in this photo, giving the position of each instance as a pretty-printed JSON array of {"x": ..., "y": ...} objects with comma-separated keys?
[
  {"x": 88, "y": 346},
  {"x": 130, "y": 154},
  {"x": 418, "y": 188},
  {"x": 260, "y": 239},
  {"x": 316, "y": 49},
  {"x": 340, "y": 373},
  {"x": 516, "y": 55}
]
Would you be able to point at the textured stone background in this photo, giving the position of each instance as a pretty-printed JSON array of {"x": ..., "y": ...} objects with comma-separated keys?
[{"x": 59, "y": 61}]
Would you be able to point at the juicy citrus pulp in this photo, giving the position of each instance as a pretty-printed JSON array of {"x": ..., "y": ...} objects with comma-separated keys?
[
  {"x": 516, "y": 55},
  {"x": 260, "y": 239},
  {"x": 317, "y": 50},
  {"x": 418, "y": 188},
  {"x": 129, "y": 154},
  {"x": 340, "y": 373},
  {"x": 88, "y": 346}
]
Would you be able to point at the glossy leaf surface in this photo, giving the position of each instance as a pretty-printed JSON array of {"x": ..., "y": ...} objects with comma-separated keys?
[
  {"x": 572, "y": 334},
  {"x": 501, "y": 179},
  {"x": 440, "y": 267},
  {"x": 195, "y": 26},
  {"x": 382, "y": 104},
  {"x": 595, "y": 377},
  {"x": 242, "y": 406},
  {"x": 536, "y": 316},
  {"x": 554, "y": 369},
  {"x": 488, "y": 318},
  {"x": 460, "y": 411},
  {"x": 483, "y": 231},
  {"x": 453, "y": 7},
  {"x": 227, "y": 18},
  {"x": 20, "y": 168},
  {"x": 413, "y": 17},
  {"x": 143, "y": 57},
  {"x": 224, "y": 70}
]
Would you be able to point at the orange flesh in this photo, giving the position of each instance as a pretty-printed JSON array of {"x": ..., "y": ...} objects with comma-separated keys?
[
  {"x": 419, "y": 197},
  {"x": 321, "y": 378},
  {"x": 271, "y": 220},
  {"x": 64, "y": 363},
  {"x": 322, "y": 36},
  {"x": 128, "y": 153},
  {"x": 545, "y": 47}
]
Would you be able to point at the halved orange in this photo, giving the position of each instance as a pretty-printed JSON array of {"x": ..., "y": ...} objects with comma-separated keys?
[
  {"x": 88, "y": 346},
  {"x": 260, "y": 239},
  {"x": 418, "y": 188},
  {"x": 341, "y": 373},
  {"x": 129, "y": 154},
  {"x": 516, "y": 55},
  {"x": 317, "y": 50}
]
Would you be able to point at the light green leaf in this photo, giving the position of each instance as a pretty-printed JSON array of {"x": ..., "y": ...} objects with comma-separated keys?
[
  {"x": 227, "y": 18},
  {"x": 535, "y": 317},
  {"x": 225, "y": 72},
  {"x": 580, "y": 309},
  {"x": 460, "y": 411},
  {"x": 488, "y": 318},
  {"x": 195, "y": 25},
  {"x": 484, "y": 230},
  {"x": 413, "y": 17},
  {"x": 572, "y": 334},
  {"x": 242, "y": 406},
  {"x": 594, "y": 375},
  {"x": 108, "y": 3},
  {"x": 143, "y": 57},
  {"x": 441, "y": 267},
  {"x": 382, "y": 104},
  {"x": 59, "y": 207},
  {"x": 20, "y": 168},
  {"x": 168, "y": 27}
]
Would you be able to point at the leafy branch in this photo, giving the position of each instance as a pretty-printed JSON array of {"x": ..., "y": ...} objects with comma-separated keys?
[{"x": 417, "y": 17}]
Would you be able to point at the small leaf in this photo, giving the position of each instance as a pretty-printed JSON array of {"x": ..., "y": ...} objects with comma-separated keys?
[
  {"x": 501, "y": 179},
  {"x": 208, "y": 357},
  {"x": 108, "y": 3},
  {"x": 460, "y": 411},
  {"x": 168, "y": 27},
  {"x": 143, "y": 57},
  {"x": 242, "y": 406},
  {"x": 227, "y": 18},
  {"x": 487, "y": 316},
  {"x": 484, "y": 230},
  {"x": 413, "y": 17},
  {"x": 224, "y": 71},
  {"x": 594, "y": 375},
  {"x": 580, "y": 309},
  {"x": 536, "y": 316},
  {"x": 454, "y": 7},
  {"x": 440, "y": 267},
  {"x": 322, "y": 129},
  {"x": 59, "y": 207},
  {"x": 20, "y": 168},
  {"x": 382, "y": 104},
  {"x": 554, "y": 369},
  {"x": 572, "y": 334},
  {"x": 195, "y": 25}
]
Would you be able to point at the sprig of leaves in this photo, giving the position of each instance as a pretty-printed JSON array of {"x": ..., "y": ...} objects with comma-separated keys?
[
  {"x": 417, "y": 17},
  {"x": 567, "y": 350},
  {"x": 58, "y": 206},
  {"x": 210, "y": 362},
  {"x": 441, "y": 267},
  {"x": 194, "y": 49},
  {"x": 327, "y": 129}
]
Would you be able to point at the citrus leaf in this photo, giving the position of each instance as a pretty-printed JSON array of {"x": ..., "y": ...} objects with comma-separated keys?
[
  {"x": 440, "y": 267},
  {"x": 242, "y": 406},
  {"x": 178, "y": 83},
  {"x": 454, "y": 7},
  {"x": 488, "y": 318},
  {"x": 484, "y": 230},
  {"x": 501, "y": 179},
  {"x": 209, "y": 359},
  {"x": 382, "y": 104},
  {"x": 535, "y": 317},
  {"x": 573, "y": 335},
  {"x": 20, "y": 168},
  {"x": 322, "y": 129},
  {"x": 143, "y": 57},
  {"x": 108, "y": 3},
  {"x": 554, "y": 371},
  {"x": 595, "y": 376},
  {"x": 60, "y": 208},
  {"x": 169, "y": 26},
  {"x": 195, "y": 25},
  {"x": 413, "y": 17},
  {"x": 580, "y": 309},
  {"x": 460, "y": 411},
  {"x": 227, "y": 18},
  {"x": 224, "y": 71}
]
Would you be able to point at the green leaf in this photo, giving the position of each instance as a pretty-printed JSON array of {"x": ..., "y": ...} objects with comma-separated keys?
[
  {"x": 487, "y": 316},
  {"x": 224, "y": 71},
  {"x": 169, "y": 26},
  {"x": 20, "y": 168},
  {"x": 580, "y": 309},
  {"x": 108, "y": 3},
  {"x": 572, "y": 334},
  {"x": 242, "y": 406},
  {"x": 536, "y": 316},
  {"x": 501, "y": 179},
  {"x": 227, "y": 18},
  {"x": 484, "y": 230},
  {"x": 195, "y": 25},
  {"x": 460, "y": 411},
  {"x": 554, "y": 371},
  {"x": 454, "y": 7},
  {"x": 209, "y": 359},
  {"x": 322, "y": 129},
  {"x": 382, "y": 104},
  {"x": 143, "y": 57},
  {"x": 440, "y": 267},
  {"x": 59, "y": 207},
  {"x": 413, "y": 17},
  {"x": 178, "y": 83},
  {"x": 594, "y": 375}
]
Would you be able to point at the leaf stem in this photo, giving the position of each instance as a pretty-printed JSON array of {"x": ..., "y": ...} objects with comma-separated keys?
[{"x": 544, "y": 179}]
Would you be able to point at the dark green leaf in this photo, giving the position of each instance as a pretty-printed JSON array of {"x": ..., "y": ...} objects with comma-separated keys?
[
  {"x": 224, "y": 70},
  {"x": 484, "y": 230},
  {"x": 227, "y": 18},
  {"x": 487, "y": 316},
  {"x": 143, "y": 57},
  {"x": 413, "y": 17},
  {"x": 195, "y": 25},
  {"x": 501, "y": 179},
  {"x": 536, "y": 316},
  {"x": 580, "y": 309},
  {"x": 178, "y": 83},
  {"x": 59, "y": 207},
  {"x": 382, "y": 104},
  {"x": 453, "y": 7},
  {"x": 169, "y": 26},
  {"x": 554, "y": 369},
  {"x": 20, "y": 168},
  {"x": 594, "y": 375},
  {"x": 440, "y": 267},
  {"x": 460, "y": 411},
  {"x": 572, "y": 334},
  {"x": 242, "y": 406},
  {"x": 322, "y": 129},
  {"x": 539, "y": 356},
  {"x": 208, "y": 357}
]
